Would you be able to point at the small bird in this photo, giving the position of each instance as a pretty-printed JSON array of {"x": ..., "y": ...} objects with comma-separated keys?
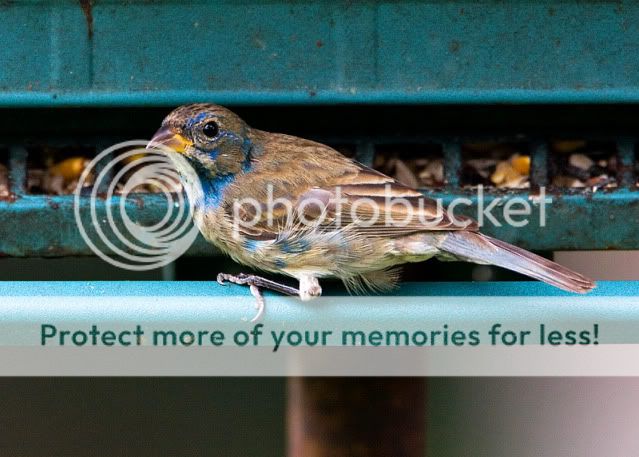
[{"x": 314, "y": 231}]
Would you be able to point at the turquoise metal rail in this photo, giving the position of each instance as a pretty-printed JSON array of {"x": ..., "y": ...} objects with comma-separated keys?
[
  {"x": 112, "y": 53},
  {"x": 202, "y": 328},
  {"x": 613, "y": 305},
  {"x": 611, "y": 215}
]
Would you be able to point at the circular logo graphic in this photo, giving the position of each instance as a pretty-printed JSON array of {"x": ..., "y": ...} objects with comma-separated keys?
[{"x": 108, "y": 212}]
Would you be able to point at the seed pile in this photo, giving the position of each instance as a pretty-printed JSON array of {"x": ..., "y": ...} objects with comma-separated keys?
[
  {"x": 145, "y": 183},
  {"x": 581, "y": 164},
  {"x": 411, "y": 171},
  {"x": 495, "y": 165},
  {"x": 61, "y": 176},
  {"x": 58, "y": 177}
]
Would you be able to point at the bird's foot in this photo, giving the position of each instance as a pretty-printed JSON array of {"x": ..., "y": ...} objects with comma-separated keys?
[
  {"x": 256, "y": 283},
  {"x": 309, "y": 288}
]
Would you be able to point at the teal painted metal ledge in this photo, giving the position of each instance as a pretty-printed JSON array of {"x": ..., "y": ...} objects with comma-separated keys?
[
  {"x": 165, "y": 53},
  {"x": 484, "y": 290},
  {"x": 324, "y": 96},
  {"x": 613, "y": 305},
  {"x": 175, "y": 321},
  {"x": 612, "y": 217}
]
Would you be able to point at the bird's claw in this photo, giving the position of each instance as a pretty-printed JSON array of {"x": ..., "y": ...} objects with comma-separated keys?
[
  {"x": 259, "y": 302},
  {"x": 240, "y": 279},
  {"x": 256, "y": 283},
  {"x": 250, "y": 280}
]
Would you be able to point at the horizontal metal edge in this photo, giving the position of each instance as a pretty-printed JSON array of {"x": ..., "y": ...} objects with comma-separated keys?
[
  {"x": 583, "y": 220},
  {"x": 193, "y": 306},
  {"x": 53, "y": 231},
  {"x": 14, "y": 99},
  {"x": 213, "y": 289},
  {"x": 612, "y": 217}
]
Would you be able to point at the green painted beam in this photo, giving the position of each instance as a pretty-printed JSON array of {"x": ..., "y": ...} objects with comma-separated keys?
[
  {"x": 44, "y": 226},
  {"x": 277, "y": 52},
  {"x": 613, "y": 304},
  {"x": 170, "y": 98},
  {"x": 202, "y": 328}
]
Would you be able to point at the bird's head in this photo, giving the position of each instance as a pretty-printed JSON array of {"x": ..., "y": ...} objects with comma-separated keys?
[{"x": 213, "y": 139}]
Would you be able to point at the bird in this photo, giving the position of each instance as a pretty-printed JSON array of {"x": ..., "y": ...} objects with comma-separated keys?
[{"x": 321, "y": 225}]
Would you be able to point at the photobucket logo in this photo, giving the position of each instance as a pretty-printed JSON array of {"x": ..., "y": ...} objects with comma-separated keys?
[
  {"x": 108, "y": 228},
  {"x": 386, "y": 210}
]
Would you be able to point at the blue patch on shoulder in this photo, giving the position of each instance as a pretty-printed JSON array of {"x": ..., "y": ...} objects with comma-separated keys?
[
  {"x": 213, "y": 186},
  {"x": 294, "y": 247},
  {"x": 251, "y": 245},
  {"x": 213, "y": 189}
]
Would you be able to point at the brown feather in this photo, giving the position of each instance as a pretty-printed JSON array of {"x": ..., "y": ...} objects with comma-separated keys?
[{"x": 294, "y": 166}]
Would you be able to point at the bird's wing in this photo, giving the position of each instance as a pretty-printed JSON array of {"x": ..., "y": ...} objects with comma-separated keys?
[
  {"x": 380, "y": 206},
  {"x": 369, "y": 203},
  {"x": 366, "y": 201}
]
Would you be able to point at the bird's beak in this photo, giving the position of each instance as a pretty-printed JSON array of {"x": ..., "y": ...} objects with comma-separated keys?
[{"x": 167, "y": 138}]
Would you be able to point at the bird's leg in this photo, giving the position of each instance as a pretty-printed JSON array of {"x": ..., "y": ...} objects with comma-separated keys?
[
  {"x": 309, "y": 287},
  {"x": 256, "y": 283}
]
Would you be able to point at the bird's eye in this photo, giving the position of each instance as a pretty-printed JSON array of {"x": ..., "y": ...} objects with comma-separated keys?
[{"x": 210, "y": 129}]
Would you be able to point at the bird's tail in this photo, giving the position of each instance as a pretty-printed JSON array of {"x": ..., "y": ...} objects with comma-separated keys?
[{"x": 479, "y": 248}]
